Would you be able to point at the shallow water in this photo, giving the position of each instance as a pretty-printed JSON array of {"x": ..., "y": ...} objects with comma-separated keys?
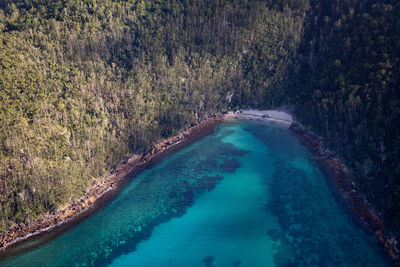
[{"x": 246, "y": 195}]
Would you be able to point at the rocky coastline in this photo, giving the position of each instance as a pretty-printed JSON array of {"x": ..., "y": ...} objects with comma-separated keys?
[
  {"x": 100, "y": 187},
  {"x": 341, "y": 176},
  {"x": 334, "y": 166}
]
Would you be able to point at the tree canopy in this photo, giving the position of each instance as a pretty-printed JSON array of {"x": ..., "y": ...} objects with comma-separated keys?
[{"x": 85, "y": 84}]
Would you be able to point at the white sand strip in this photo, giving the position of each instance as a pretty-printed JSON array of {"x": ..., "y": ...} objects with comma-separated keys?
[{"x": 262, "y": 115}]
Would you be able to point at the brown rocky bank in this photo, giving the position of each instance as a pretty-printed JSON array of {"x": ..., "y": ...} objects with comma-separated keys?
[
  {"x": 341, "y": 176},
  {"x": 100, "y": 187}
]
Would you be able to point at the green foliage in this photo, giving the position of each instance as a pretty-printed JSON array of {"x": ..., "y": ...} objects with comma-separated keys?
[
  {"x": 85, "y": 84},
  {"x": 347, "y": 90}
]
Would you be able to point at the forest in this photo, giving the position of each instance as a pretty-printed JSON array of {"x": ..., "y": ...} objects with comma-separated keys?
[{"x": 84, "y": 84}]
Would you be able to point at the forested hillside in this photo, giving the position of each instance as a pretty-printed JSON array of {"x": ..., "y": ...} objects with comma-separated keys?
[
  {"x": 347, "y": 90},
  {"x": 85, "y": 84}
]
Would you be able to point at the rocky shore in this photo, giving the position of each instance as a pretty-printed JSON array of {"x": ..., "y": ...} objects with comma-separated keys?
[
  {"x": 337, "y": 170},
  {"x": 342, "y": 179},
  {"x": 100, "y": 187}
]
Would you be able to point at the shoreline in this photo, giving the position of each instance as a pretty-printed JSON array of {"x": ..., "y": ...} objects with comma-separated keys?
[
  {"x": 262, "y": 115},
  {"x": 99, "y": 188},
  {"x": 108, "y": 186},
  {"x": 337, "y": 170},
  {"x": 340, "y": 175}
]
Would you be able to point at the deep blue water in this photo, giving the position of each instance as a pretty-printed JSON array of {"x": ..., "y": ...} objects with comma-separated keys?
[{"x": 246, "y": 195}]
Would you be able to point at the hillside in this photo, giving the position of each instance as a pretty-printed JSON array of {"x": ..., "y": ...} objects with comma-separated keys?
[
  {"x": 347, "y": 90},
  {"x": 85, "y": 84}
]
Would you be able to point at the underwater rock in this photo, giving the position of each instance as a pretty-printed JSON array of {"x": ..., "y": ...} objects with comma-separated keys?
[
  {"x": 209, "y": 261},
  {"x": 229, "y": 165},
  {"x": 237, "y": 263}
]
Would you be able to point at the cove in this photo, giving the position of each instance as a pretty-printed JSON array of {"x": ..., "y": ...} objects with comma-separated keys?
[{"x": 245, "y": 195}]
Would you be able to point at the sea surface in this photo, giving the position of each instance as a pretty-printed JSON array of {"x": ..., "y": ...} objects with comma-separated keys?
[{"x": 246, "y": 195}]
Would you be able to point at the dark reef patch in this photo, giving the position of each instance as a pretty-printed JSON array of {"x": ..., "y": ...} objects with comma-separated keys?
[
  {"x": 237, "y": 263},
  {"x": 229, "y": 165},
  {"x": 313, "y": 226},
  {"x": 172, "y": 187},
  {"x": 208, "y": 261}
]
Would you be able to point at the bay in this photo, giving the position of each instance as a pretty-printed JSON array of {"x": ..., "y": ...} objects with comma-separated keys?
[{"x": 246, "y": 195}]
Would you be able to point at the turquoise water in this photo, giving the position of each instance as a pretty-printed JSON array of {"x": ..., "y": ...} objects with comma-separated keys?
[{"x": 246, "y": 195}]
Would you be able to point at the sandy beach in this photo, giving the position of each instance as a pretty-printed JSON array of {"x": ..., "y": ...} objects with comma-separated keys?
[{"x": 262, "y": 115}]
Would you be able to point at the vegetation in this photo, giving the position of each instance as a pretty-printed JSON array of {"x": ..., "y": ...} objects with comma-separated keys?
[
  {"x": 84, "y": 84},
  {"x": 348, "y": 92}
]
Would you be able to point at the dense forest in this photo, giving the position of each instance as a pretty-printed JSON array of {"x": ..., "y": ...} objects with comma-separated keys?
[
  {"x": 347, "y": 90},
  {"x": 86, "y": 84}
]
